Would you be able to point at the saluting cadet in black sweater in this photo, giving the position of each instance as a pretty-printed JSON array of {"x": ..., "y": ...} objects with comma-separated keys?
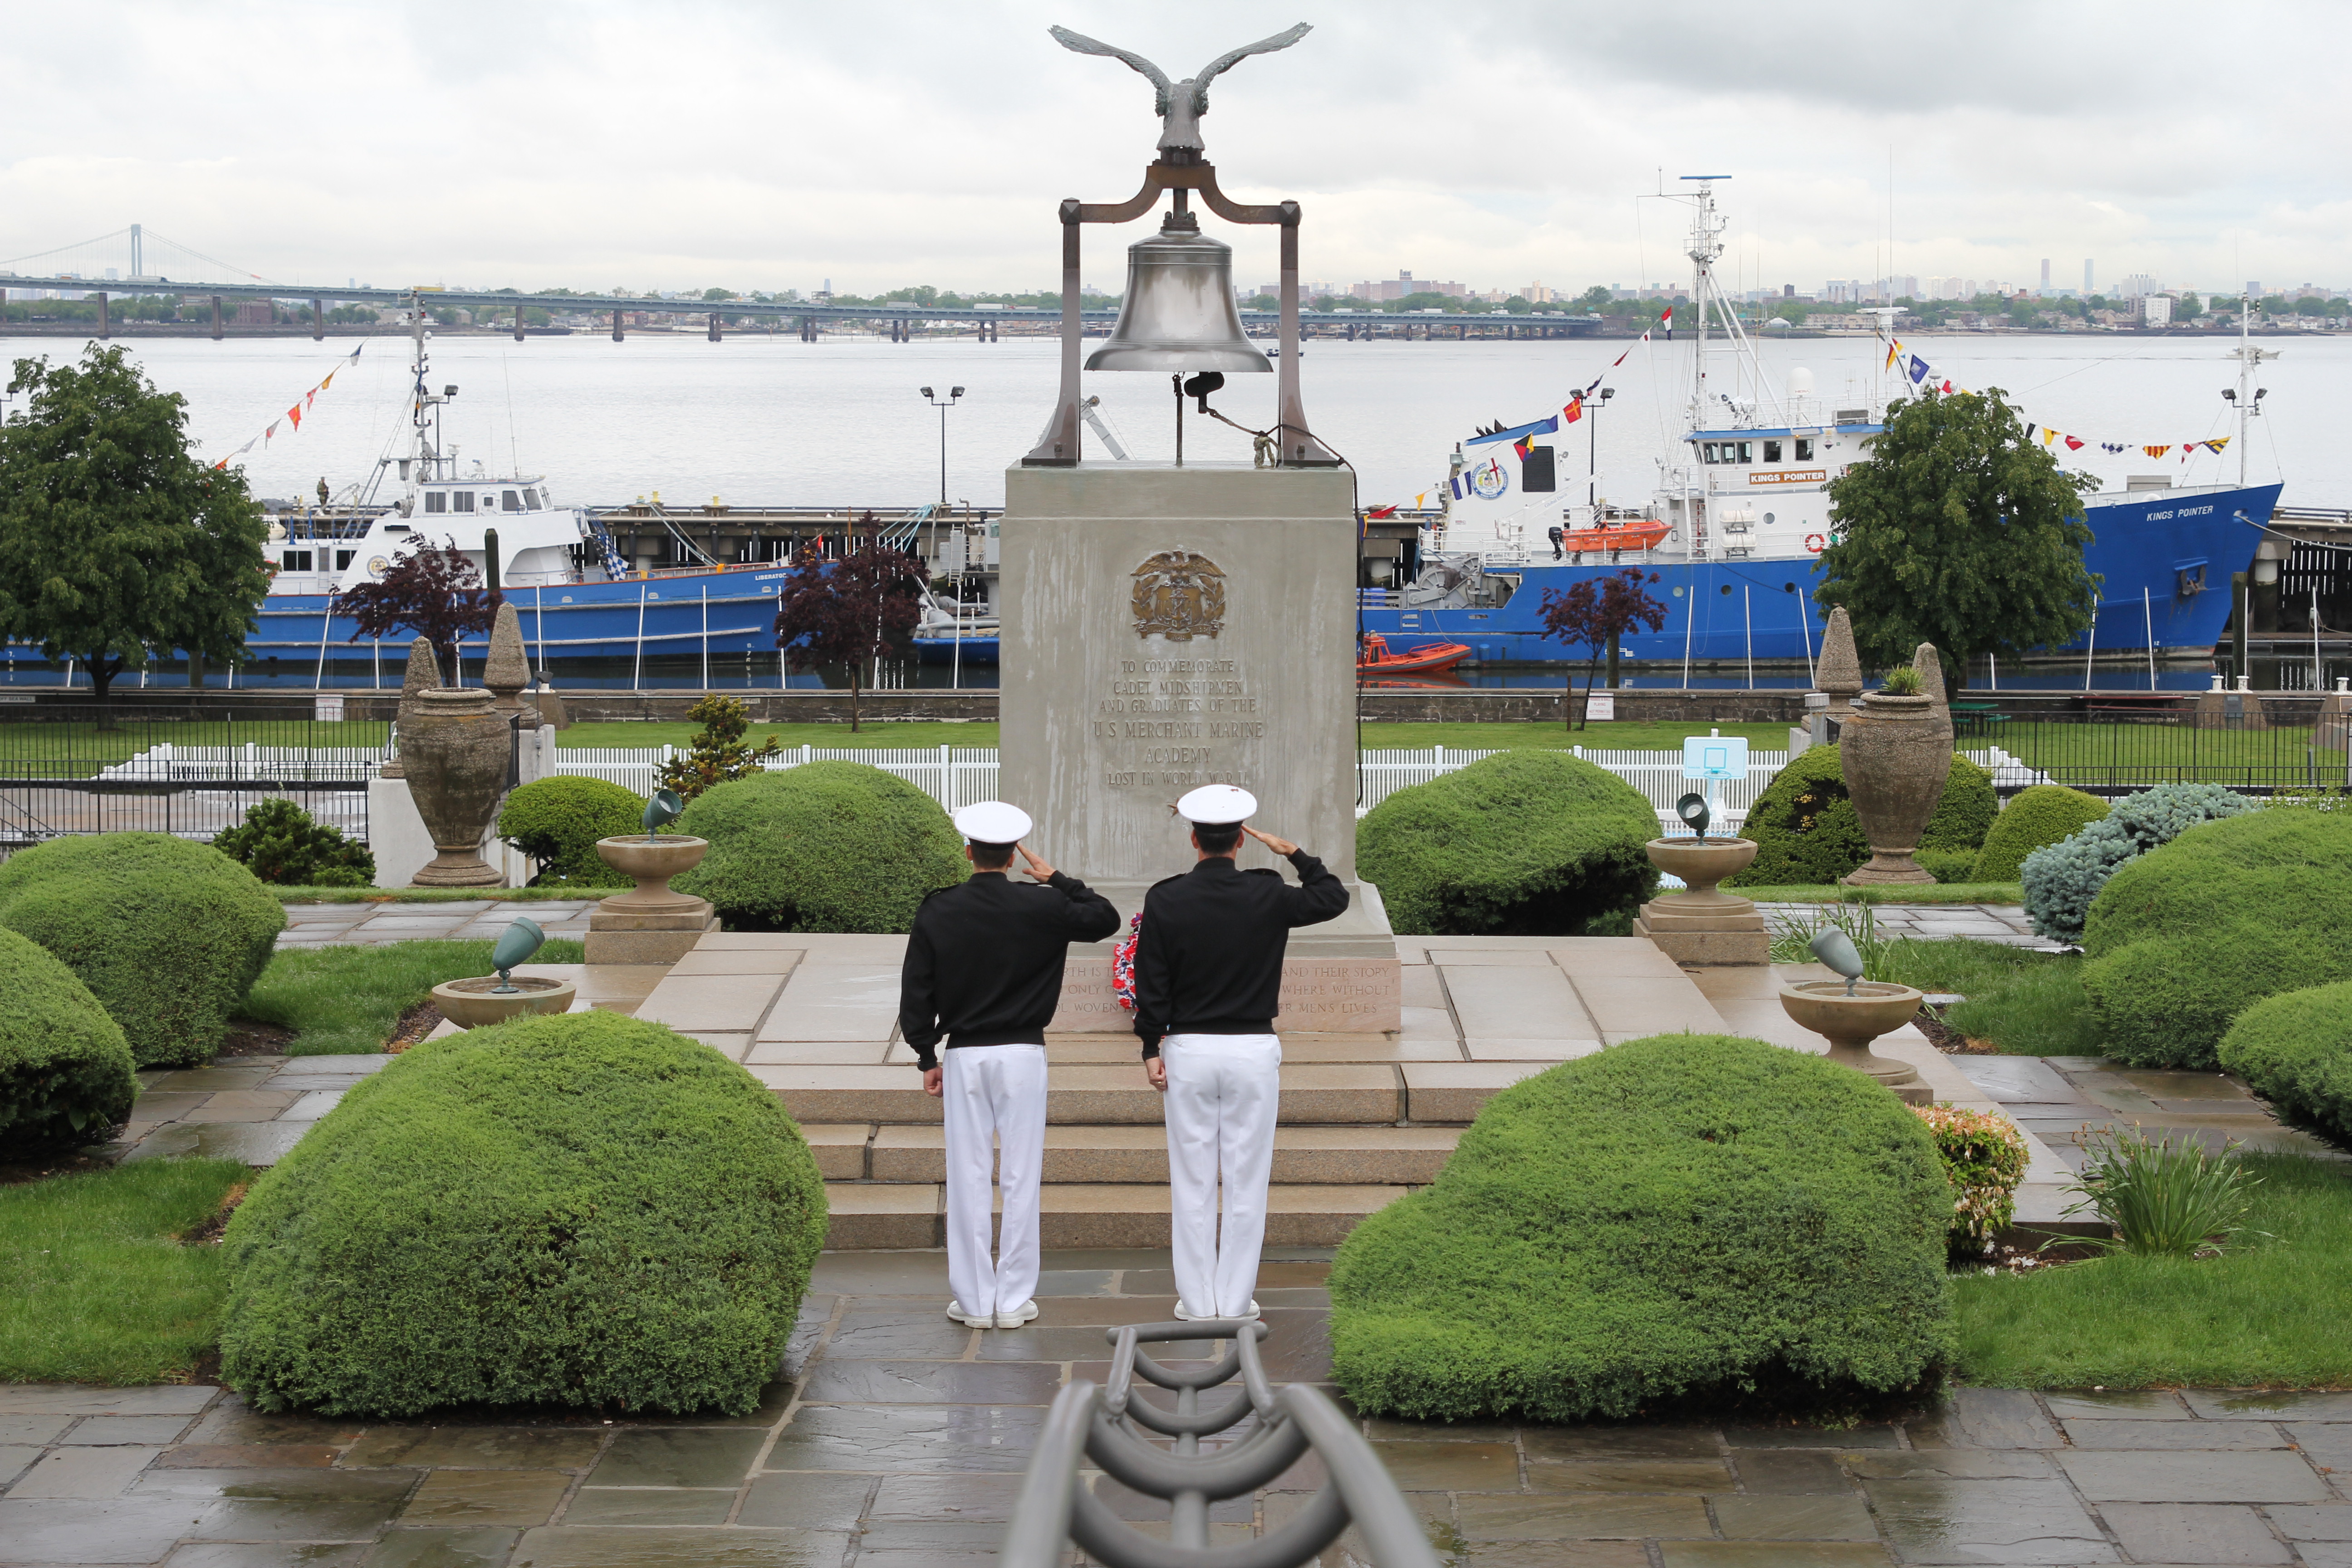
[
  {"x": 1208, "y": 984},
  {"x": 983, "y": 970}
]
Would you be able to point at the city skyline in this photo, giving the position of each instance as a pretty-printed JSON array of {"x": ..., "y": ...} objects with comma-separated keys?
[{"x": 495, "y": 145}]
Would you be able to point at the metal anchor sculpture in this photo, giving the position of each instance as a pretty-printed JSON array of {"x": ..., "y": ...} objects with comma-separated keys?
[{"x": 1098, "y": 1425}]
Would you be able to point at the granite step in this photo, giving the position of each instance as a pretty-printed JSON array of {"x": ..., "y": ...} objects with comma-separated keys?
[
  {"x": 874, "y": 1217},
  {"x": 1342, "y": 1156},
  {"x": 1102, "y": 1095}
]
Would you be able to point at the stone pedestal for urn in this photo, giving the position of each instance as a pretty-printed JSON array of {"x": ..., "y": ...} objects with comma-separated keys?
[
  {"x": 455, "y": 751},
  {"x": 1896, "y": 752},
  {"x": 1851, "y": 1023},
  {"x": 653, "y": 924},
  {"x": 1702, "y": 925}
]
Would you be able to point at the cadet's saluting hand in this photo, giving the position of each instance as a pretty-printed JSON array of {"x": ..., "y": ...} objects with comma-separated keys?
[
  {"x": 1038, "y": 870},
  {"x": 1283, "y": 846}
]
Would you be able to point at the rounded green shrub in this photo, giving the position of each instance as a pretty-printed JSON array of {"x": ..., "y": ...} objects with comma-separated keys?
[
  {"x": 557, "y": 821},
  {"x": 1947, "y": 865},
  {"x": 2037, "y": 816},
  {"x": 2061, "y": 879},
  {"x": 577, "y": 1208},
  {"x": 1681, "y": 1216},
  {"x": 280, "y": 842},
  {"x": 1806, "y": 831},
  {"x": 1523, "y": 843},
  {"x": 65, "y": 1068},
  {"x": 2295, "y": 1050},
  {"x": 2187, "y": 936},
  {"x": 168, "y": 935},
  {"x": 824, "y": 846}
]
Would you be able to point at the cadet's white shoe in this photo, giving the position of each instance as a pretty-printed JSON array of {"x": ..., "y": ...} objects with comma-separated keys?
[
  {"x": 1018, "y": 1316},
  {"x": 1188, "y": 1317},
  {"x": 971, "y": 1320}
]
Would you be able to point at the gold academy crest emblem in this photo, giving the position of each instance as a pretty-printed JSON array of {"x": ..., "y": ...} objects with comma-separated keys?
[{"x": 1179, "y": 595}]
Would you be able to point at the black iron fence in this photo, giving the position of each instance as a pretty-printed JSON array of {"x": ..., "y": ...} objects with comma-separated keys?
[
  {"x": 2117, "y": 750},
  {"x": 188, "y": 771}
]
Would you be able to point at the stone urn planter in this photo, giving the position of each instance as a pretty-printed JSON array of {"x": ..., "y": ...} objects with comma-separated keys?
[
  {"x": 474, "y": 1003},
  {"x": 1849, "y": 1023},
  {"x": 651, "y": 860},
  {"x": 1702, "y": 925},
  {"x": 455, "y": 751},
  {"x": 1896, "y": 752}
]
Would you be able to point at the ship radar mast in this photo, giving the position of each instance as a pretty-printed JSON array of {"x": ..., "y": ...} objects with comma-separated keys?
[
  {"x": 426, "y": 451},
  {"x": 1708, "y": 305},
  {"x": 2248, "y": 397}
]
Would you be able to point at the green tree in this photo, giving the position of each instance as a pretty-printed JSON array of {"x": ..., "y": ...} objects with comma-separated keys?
[
  {"x": 1959, "y": 531},
  {"x": 117, "y": 544}
]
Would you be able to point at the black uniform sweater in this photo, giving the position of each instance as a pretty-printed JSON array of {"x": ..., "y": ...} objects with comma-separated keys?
[
  {"x": 984, "y": 961},
  {"x": 1210, "y": 957}
]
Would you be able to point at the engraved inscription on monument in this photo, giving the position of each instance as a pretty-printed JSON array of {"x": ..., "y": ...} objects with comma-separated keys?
[{"x": 1169, "y": 721}]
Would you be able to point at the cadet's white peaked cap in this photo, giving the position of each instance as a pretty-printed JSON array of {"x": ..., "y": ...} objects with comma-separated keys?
[
  {"x": 993, "y": 822},
  {"x": 1215, "y": 804}
]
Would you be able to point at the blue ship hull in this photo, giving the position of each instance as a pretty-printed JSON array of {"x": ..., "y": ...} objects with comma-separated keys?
[{"x": 2165, "y": 557}]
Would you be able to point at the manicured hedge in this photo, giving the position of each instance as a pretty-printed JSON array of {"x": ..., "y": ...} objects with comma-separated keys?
[
  {"x": 168, "y": 935},
  {"x": 557, "y": 821},
  {"x": 2061, "y": 879},
  {"x": 1523, "y": 843},
  {"x": 1681, "y": 1216},
  {"x": 579, "y": 1209},
  {"x": 1806, "y": 831},
  {"x": 827, "y": 847},
  {"x": 282, "y": 843},
  {"x": 2037, "y": 816},
  {"x": 65, "y": 1068},
  {"x": 2295, "y": 1051},
  {"x": 2184, "y": 938}
]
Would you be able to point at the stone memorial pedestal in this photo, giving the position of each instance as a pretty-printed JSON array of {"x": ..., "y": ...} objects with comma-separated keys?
[
  {"x": 1168, "y": 627},
  {"x": 1703, "y": 925},
  {"x": 652, "y": 923}
]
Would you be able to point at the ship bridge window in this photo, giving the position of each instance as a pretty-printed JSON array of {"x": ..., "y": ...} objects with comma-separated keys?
[
  {"x": 294, "y": 560},
  {"x": 1747, "y": 451},
  {"x": 462, "y": 501},
  {"x": 512, "y": 502},
  {"x": 1804, "y": 449},
  {"x": 343, "y": 558},
  {"x": 1771, "y": 451},
  {"x": 435, "y": 502}
]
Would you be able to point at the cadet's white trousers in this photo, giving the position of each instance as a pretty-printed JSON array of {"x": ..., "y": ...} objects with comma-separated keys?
[
  {"x": 994, "y": 1100},
  {"x": 1223, "y": 1093}
]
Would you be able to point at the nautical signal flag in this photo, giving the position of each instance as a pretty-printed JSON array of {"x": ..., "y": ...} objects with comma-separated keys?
[
  {"x": 295, "y": 412},
  {"x": 2158, "y": 451},
  {"x": 1574, "y": 411},
  {"x": 1667, "y": 321}
]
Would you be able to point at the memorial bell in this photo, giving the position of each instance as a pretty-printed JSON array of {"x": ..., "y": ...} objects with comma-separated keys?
[{"x": 1177, "y": 313}]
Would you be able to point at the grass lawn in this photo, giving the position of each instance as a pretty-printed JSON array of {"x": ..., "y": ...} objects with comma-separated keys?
[
  {"x": 2271, "y": 1316},
  {"x": 94, "y": 1286},
  {"x": 345, "y": 1000},
  {"x": 1544, "y": 734},
  {"x": 2028, "y": 1004}
]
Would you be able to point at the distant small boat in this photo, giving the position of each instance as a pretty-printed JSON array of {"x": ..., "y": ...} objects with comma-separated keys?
[
  {"x": 978, "y": 647},
  {"x": 1373, "y": 658}
]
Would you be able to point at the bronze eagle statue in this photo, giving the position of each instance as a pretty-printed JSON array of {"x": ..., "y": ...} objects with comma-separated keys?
[{"x": 1180, "y": 104}]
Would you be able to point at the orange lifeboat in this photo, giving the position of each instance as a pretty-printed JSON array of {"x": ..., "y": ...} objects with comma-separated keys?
[
  {"x": 1373, "y": 658},
  {"x": 1642, "y": 534}
]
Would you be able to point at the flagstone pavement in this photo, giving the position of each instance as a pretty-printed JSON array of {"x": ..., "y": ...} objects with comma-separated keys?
[{"x": 896, "y": 1440}]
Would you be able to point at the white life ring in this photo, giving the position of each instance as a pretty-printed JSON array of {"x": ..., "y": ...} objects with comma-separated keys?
[{"x": 1814, "y": 542}]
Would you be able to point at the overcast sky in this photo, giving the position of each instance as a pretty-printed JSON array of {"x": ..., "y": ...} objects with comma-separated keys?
[{"x": 772, "y": 146}]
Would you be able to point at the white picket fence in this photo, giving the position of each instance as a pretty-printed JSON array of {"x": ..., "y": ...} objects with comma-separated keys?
[
  {"x": 952, "y": 775},
  {"x": 956, "y": 776}
]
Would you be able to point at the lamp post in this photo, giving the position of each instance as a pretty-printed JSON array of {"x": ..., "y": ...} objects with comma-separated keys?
[
  {"x": 1592, "y": 456},
  {"x": 943, "y": 405}
]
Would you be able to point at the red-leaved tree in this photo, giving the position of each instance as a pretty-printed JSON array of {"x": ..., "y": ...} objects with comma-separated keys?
[
  {"x": 846, "y": 612},
  {"x": 1596, "y": 613},
  {"x": 435, "y": 594}
]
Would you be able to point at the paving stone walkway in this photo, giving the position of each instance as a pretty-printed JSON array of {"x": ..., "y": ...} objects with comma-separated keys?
[
  {"x": 897, "y": 1438},
  {"x": 321, "y": 925},
  {"x": 2004, "y": 923},
  {"x": 2061, "y": 1099}
]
